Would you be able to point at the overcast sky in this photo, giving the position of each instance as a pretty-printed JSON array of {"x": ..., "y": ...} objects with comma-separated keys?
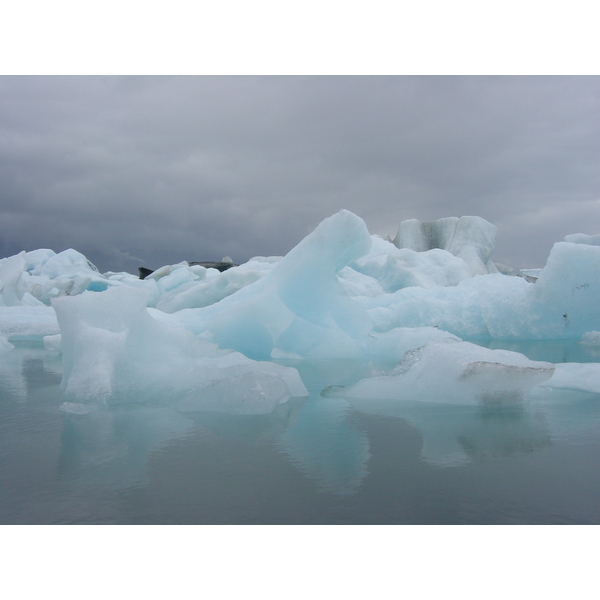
[{"x": 147, "y": 171}]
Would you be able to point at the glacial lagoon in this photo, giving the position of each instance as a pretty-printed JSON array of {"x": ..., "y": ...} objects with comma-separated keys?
[
  {"x": 356, "y": 380},
  {"x": 313, "y": 460}
]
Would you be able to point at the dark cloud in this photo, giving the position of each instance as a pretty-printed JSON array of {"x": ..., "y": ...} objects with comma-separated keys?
[{"x": 152, "y": 170}]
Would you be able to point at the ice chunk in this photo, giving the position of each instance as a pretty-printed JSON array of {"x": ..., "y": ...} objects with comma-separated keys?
[
  {"x": 504, "y": 269},
  {"x": 27, "y": 322},
  {"x": 114, "y": 352},
  {"x": 456, "y": 373},
  {"x": 395, "y": 268},
  {"x": 591, "y": 338},
  {"x": 30, "y": 300},
  {"x": 299, "y": 307},
  {"x": 561, "y": 304},
  {"x": 203, "y": 291},
  {"x": 34, "y": 278},
  {"x": 355, "y": 283},
  {"x": 583, "y": 377},
  {"x": 469, "y": 238},
  {"x": 564, "y": 298},
  {"x": 492, "y": 305}
]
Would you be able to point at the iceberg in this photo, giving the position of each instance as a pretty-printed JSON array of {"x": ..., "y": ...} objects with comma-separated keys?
[
  {"x": 199, "y": 339},
  {"x": 115, "y": 352},
  {"x": 454, "y": 372},
  {"x": 583, "y": 377},
  {"x": 22, "y": 323},
  {"x": 559, "y": 305},
  {"x": 196, "y": 286},
  {"x": 469, "y": 238},
  {"x": 34, "y": 278},
  {"x": 395, "y": 268},
  {"x": 299, "y": 308}
]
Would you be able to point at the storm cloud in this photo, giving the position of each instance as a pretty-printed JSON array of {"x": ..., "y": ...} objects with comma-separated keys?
[{"x": 147, "y": 170}]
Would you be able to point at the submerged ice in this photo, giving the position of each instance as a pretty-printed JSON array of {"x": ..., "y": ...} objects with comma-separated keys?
[{"x": 205, "y": 340}]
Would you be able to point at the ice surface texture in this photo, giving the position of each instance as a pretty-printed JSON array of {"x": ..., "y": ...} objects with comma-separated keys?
[
  {"x": 114, "y": 351},
  {"x": 205, "y": 340}
]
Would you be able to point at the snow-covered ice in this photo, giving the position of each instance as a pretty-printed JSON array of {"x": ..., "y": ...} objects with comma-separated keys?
[{"x": 205, "y": 340}]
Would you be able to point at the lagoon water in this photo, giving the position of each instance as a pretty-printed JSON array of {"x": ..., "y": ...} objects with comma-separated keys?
[{"x": 317, "y": 460}]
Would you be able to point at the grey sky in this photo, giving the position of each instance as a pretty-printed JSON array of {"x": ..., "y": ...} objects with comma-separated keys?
[{"x": 146, "y": 171}]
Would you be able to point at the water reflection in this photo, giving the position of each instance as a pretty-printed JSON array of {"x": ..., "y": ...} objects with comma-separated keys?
[
  {"x": 323, "y": 444},
  {"x": 318, "y": 436},
  {"x": 112, "y": 447},
  {"x": 134, "y": 460},
  {"x": 25, "y": 369},
  {"x": 568, "y": 415},
  {"x": 457, "y": 435}
]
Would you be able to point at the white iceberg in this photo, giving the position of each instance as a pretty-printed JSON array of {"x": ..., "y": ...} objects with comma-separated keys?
[
  {"x": 583, "y": 377},
  {"x": 34, "y": 278},
  {"x": 560, "y": 305},
  {"x": 454, "y": 372},
  {"x": 114, "y": 351},
  {"x": 27, "y": 322},
  {"x": 298, "y": 309}
]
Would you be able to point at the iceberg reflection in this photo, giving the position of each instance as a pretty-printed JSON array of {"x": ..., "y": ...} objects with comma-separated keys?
[
  {"x": 326, "y": 447},
  {"x": 454, "y": 435}
]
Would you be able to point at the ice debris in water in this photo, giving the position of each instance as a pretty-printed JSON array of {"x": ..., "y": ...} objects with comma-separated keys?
[{"x": 206, "y": 340}]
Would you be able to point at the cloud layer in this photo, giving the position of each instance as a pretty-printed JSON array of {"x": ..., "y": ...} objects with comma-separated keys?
[{"x": 148, "y": 171}]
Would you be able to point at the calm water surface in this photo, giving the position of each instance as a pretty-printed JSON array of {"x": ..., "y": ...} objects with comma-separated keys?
[{"x": 317, "y": 460}]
